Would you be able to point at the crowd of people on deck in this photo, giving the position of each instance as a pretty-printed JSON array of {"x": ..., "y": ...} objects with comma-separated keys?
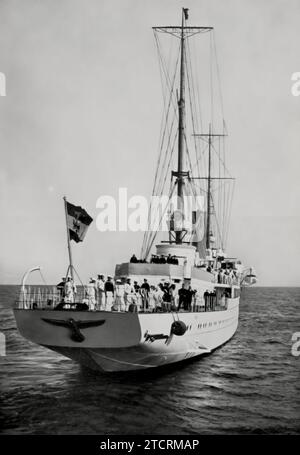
[
  {"x": 227, "y": 275},
  {"x": 122, "y": 295},
  {"x": 156, "y": 259}
]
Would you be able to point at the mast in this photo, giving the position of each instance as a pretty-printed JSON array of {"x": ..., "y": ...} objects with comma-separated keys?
[
  {"x": 68, "y": 240},
  {"x": 210, "y": 139},
  {"x": 181, "y": 119},
  {"x": 183, "y": 33},
  {"x": 208, "y": 191}
]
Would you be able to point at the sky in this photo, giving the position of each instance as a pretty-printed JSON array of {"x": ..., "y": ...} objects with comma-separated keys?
[{"x": 82, "y": 113}]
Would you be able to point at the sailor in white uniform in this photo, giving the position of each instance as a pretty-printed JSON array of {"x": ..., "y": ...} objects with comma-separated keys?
[
  {"x": 119, "y": 304},
  {"x": 130, "y": 297},
  {"x": 151, "y": 299},
  {"x": 91, "y": 294},
  {"x": 100, "y": 292},
  {"x": 69, "y": 291},
  {"x": 158, "y": 298}
]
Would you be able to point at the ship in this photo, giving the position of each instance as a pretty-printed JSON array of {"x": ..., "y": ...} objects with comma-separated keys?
[{"x": 202, "y": 314}]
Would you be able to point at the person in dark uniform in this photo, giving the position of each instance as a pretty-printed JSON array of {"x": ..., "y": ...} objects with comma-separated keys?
[
  {"x": 206, "y": 299},
  {"x": 133, "y": 259},
  {"x": 136, "y": 286},
  {"x": 109, "y": 285},
  {"x": 189, "y": 298},
  {"x": 145, "y": 289},
  {"x": 145, "y": 285},
  {"x": 213, "y": 298},
  {"x": 61, "y": 289},
  {"x": 182, "y": 297}
]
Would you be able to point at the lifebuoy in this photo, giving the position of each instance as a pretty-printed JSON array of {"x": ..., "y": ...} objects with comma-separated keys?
[{"x": 178, "y": 328}]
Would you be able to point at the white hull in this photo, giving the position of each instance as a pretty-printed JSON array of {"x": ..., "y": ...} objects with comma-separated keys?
[{"x": 124, "y": 341}]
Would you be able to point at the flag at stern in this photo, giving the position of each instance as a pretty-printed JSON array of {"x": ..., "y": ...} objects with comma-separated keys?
[{"x": 78, "y": 221}]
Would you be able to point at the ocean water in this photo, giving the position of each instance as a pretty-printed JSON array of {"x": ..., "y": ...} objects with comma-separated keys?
[{"x": 251, "y": 385}]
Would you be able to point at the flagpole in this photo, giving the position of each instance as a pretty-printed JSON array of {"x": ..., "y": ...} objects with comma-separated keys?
[{"x": 68, "y": 237}]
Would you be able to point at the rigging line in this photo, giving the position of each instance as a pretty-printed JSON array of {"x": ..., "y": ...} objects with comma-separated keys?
[
  {"x": 162, "y": 189},
  {"x": 167, "y": 78},
  {"x": 194, "y": 231},
  {"x": 79, "y": 278},
  {"x": 166, "y": 155},
  {"x": 219, "y": 219},
  {"x": 164, "y": 100},
  {"x": 159, "y": 193},
  {"x": 216, "y": 218},
  {"x": 225, "y": 168},
  {"x": 195, "y": 90},
  {"x": 188, "y": 157},
  {"x": 169, "y": 85},
  {"x": 168, "y": 81},
  {"x": 191, "y": 88},
  {"x": 225, "y": 209},
  {"x": 192, "y": 108},
  {"x": 165, "y": 122},
  {"x": 224, "y": 143},
  {"x": 165, "y": 111},
  {"x": 211, "y": 84},
  {"x": 220, "y": 193},
  {"x": 160, "y": 73},
  {"x": 197, "y": 96},
  {"x": 217, "y": 152},
  {"x": 222, "y": 189},
  {"x": 162, "y": 145},
  {"x": 164, "y": 66},
  {"x": 197, "y": 186},
  {"x": 159, "y": 196},
  {"x": 167, "y": 168},
  {"x": 220, "y": 186},
  {"x": 227, "y": 198},
  {"x": 227, "y": 213},
  {"x": 230, "y": 210},
  {"x": 155, "y": 233},
  {"x": 169, "y": 136},
  {"x": 224, "y": 197},
  {"x": 202, "y": 154},
  {"x": 200, "y": 187},
  {"x": 218, "y": 72}
]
